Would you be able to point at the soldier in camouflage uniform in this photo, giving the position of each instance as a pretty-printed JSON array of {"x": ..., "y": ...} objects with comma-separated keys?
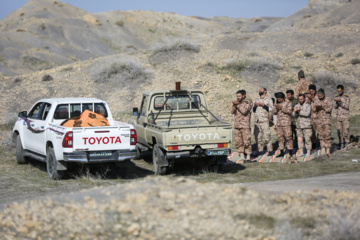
[
  {"x": 323, "y": 107},
  {"x": 311, "y": 98},
  {"x": 302, "y": 112},
  {"x": 262, "y": 109},
  {"x": 302, "y": 86},
  {"x": 294, "y": 101},
  {"x": 242, "y": 110},
  {"x": 283, "y": 111},
  {"x": 342, "y": 104}
]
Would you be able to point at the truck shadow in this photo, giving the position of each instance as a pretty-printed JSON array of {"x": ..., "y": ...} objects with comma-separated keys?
[
  {"x": 185, "y": 168},
  {"x": 96, "y": 171}
]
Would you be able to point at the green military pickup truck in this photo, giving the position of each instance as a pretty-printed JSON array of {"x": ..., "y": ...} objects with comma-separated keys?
[{"x": 176, "y": 124}]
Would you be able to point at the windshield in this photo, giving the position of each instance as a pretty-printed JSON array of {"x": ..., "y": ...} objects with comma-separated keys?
[{"x": 177, "y": 102}]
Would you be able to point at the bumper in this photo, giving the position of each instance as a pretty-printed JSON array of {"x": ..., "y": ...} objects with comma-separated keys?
[
  {"x": 84, "y": 157},
  {"x": 203, "y": 153}
]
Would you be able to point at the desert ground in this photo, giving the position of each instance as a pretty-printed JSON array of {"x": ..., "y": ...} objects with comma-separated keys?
[{"x": 52, "y": 49}]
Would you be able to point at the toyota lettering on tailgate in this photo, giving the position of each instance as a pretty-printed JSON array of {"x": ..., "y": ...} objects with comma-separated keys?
[
  {"x": 103, "y": 140},
  {"x": 201, "y": 136}
]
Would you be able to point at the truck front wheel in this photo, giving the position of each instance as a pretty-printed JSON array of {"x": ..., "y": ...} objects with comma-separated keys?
[
  {"x": 51, "y": 166},
  {"x": 158, "y": 158},
  {"x": 20, "y": 152}
]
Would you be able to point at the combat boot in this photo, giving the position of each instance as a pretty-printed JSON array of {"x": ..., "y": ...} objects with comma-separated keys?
[
  {"x": 291, "y": 157},
  {"x": 322, "y": 152},
  {"x": 281, "y": 154},
  {"x": 241, "y": 156},
  {"x": 270, "y": 153},
  {"x": 328, "y": 152},
  {"x": 247, "y": 159},
  {"x": 301, "y": 152},
  {"x": 346, "y": 144},
  {"x": 341, "y": 146}
]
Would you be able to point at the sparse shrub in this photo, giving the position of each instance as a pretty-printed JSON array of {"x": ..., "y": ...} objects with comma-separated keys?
[
  {"x": 179, "y": 46},
  {"x": 17, "y": 80},
  {"x": 22, "y": 14},
  {"x": 339, "y": 55},
  {"x": 121, "y": 73},
  {"x": 260, "y": 66},
  {"x": 307, "y": 54},
  {"x": 20, "y": 30},
  {"x": 36, "y": 62},
  {"x": 67, "y": 69},
  {"x": 355, "y": 61},
  {"x": 42, "y": 26},
  {"x": 329, "y": 80},
  {"x": 10, "y": 120},
  {"x": 47, "y": 78},
  {"x": 120, "y": 23},
  {"x": 58, "y": 3},
  {"x": 264, "y": 66}
]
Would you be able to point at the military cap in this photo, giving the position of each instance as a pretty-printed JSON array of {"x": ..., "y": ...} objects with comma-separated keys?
[
  {"x": 279, "y": 95},
  {"x": 321, "y": 91},
  {"x": 301, "y": 74}
]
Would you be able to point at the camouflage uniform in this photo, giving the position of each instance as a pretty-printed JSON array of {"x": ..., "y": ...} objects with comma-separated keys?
[
  {"x": 283, "y": 125},
  {"x": 294, "y": 101},
  {"x": 262, "y": 124},
  {"x": 343, "y": 118},
  {"x": 313, "y": 119},
  {"x": 242, "y": 132},
  {"x": 323, "y": 120},
  {"x": 302, "y": 86},
  {"x": 303, "y": 124}
]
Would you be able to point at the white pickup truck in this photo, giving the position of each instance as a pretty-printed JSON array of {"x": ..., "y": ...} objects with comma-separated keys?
[{"x": 39, "y": 135}]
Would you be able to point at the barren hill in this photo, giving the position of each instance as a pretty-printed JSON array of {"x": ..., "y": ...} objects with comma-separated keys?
[{"x": 153, "y": 50}]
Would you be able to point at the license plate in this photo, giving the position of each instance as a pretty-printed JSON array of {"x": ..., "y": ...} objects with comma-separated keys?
[
  {"x": 100, "y": 154},
  {"x": 218, "y": 152}
]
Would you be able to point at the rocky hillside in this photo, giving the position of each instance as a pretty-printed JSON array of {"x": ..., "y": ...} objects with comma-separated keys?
[{"x": 145, "y": 51}]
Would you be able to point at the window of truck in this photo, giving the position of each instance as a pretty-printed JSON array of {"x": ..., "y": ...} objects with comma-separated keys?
[
  {"x": 75, "y": 109},
  {"x": 35, "y": 111},
  {"x": 143, "y": 106},
  {"x": 177, "y": 102}
]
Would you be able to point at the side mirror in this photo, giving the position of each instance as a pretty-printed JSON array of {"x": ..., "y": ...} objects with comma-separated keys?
[
  {"x": 135, "y": 112},
  {"x": 22, "y": 114}
]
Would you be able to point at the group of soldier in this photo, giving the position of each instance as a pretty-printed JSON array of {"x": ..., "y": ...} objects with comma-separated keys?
[{"x": 301, "y": 118}]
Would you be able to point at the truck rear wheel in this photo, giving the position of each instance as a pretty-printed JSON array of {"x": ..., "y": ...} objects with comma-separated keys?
[
  {"x": 217, "y": 164},
  {"x": 119, "y": 170},
  {"x": 20, "y": 152},
  {"x": 51, "y": 166},
  {"x": 158, "y": 157}
]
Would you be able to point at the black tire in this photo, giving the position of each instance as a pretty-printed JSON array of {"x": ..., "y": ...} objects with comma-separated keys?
[
  {"x": 215, "y": 165},
  {"x": 51, "y": 166},
  {"x": 20, "y": 152},
  {"x": 158, "y": 155},
  {"x": 138, "y": 154},
  {"x": 119, "y": 170}
]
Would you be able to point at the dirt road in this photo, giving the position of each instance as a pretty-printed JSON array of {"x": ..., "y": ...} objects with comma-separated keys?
[{"x": 339, "y": 182}]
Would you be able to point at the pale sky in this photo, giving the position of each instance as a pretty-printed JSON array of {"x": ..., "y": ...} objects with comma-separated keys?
[{"x": 201, "y": 8}]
